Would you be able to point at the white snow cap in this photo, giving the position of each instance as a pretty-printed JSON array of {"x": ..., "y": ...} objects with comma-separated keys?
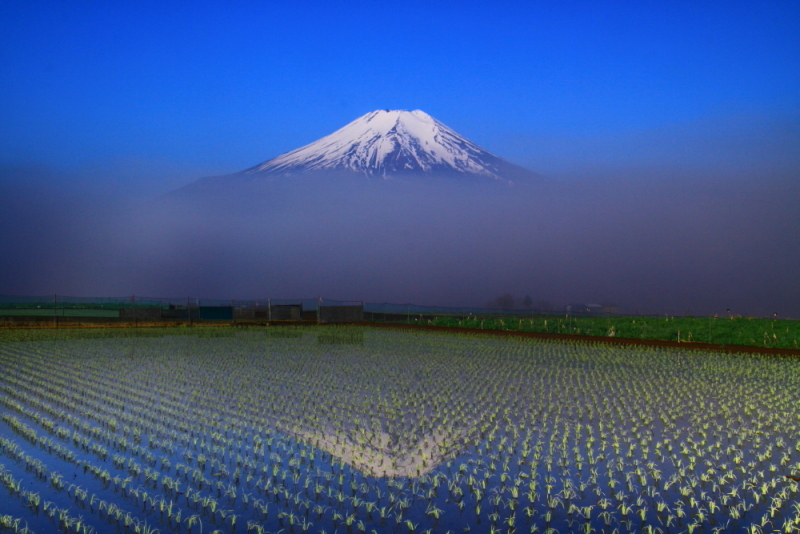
[{"x": 386, "y": 141}]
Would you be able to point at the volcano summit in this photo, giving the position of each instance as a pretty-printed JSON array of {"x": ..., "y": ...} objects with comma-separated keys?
[
  {"x": 390, "y": 142},
  {"x": 385, "y": 144}
]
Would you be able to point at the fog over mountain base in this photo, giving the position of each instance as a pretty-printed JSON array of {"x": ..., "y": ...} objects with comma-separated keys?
[{"x": 662, "y": 245}]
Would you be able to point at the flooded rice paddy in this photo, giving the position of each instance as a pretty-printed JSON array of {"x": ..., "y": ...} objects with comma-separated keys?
[{"x": 349, "y": 430}]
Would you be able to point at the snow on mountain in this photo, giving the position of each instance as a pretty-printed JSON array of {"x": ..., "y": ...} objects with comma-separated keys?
[
  {"x": 383, "y": 144},
  {"x": 390, "y": 142}
]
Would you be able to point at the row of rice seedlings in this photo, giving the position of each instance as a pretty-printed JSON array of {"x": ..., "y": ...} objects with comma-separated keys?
[
  {"x": 32, "y": 501},
  {"x": 111, "y": 512},
  {"x": 232, "y": 517},
  {"x": 82, "y": 499},
  {"x": 49, "y": 425},
  {"x": 13, "y": 524}
]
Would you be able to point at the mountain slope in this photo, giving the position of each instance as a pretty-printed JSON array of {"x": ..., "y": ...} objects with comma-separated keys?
[
  {"x": 382, "y": 144},
  {"x": 390, "y": 142}
]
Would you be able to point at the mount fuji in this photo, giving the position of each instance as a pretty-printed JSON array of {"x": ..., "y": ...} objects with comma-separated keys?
[{"x": 384, "y": 145}]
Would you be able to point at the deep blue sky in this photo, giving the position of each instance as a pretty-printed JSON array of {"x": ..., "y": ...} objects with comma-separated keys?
[
  {"x": 144, "y": 97},
  {"x": 670, "y": 133}
]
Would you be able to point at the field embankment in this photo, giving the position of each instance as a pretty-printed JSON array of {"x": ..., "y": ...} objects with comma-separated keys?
[
  {"x": 707, "y": 333},
  {"x": 731, "y": 334}
]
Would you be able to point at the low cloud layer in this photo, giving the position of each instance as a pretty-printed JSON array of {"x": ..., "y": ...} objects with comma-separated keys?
[{"x": 666, "y": 244}]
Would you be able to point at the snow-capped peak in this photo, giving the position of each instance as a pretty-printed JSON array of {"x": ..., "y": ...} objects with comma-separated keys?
[{"x": 385, "y": 142}]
